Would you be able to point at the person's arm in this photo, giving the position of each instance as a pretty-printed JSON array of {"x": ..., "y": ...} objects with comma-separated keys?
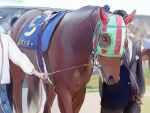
[
  {"x": 140, "y": 78},
  {"x": 21, "y": 60},
  {"x": 140, "y": 75}
]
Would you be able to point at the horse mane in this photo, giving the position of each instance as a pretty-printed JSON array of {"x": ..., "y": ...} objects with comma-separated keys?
[
  {"x": 88, "y": 7},
  {"x": 121, "y": 13},
  {"x": 13, "y": 20}
]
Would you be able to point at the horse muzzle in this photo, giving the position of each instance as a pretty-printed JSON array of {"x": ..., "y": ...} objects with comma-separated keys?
[{"x": 111, "y": 80}]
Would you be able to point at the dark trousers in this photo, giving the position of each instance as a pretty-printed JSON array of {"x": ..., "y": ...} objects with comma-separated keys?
[
  {"x": 105, "y": 110},
  {"x": 4, "y": 102},
  {"x": 132, "y": 107}
]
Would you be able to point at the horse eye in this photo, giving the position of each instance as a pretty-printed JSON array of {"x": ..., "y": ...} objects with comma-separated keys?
[{"x": 104, "y": 40}]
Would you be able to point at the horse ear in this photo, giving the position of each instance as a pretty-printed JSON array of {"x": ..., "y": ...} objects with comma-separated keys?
[
  {"x": 103, "y": 16},
  {"x": 129, "y": 18}
]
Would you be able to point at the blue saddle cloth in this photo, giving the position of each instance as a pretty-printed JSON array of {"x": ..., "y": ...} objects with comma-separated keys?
[{"x": 29, "y": 36}]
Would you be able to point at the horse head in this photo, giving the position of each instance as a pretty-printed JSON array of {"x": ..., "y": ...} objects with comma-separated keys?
[{"x": 109, "y": 40}]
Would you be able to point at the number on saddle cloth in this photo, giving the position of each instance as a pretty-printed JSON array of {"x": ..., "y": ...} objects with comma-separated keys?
[{"x": 30, "y": 33}]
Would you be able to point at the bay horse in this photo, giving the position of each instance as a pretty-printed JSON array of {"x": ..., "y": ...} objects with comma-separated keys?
[
  {"x": 75, "y": 37},
  {"x": 146, "y": 56}
]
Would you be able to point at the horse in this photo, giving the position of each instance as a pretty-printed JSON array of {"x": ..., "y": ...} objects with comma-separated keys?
[
  {"x": 79, "y": 34},
  {"x": 146, "y": 56}
]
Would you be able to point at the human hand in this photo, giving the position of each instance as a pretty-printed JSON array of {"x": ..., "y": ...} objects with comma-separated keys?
[
  {"x": 42, "y": 75},
  {"x": 138, "y": 98},
  {"x": 45, "y": 78}
]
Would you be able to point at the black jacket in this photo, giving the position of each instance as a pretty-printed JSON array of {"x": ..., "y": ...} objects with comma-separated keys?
[
  {"x": 131, "y": 81},
  {"x": 136, "y": 69}
]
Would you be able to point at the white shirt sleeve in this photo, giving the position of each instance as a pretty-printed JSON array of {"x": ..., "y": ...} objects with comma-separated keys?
[{"x": 19, "y": 58}]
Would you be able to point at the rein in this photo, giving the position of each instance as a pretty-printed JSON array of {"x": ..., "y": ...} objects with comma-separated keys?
[{"x": 70, "y": 68}]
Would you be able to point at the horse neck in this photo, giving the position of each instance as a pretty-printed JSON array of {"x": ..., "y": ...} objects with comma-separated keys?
[{"x": 85, "y": 23}]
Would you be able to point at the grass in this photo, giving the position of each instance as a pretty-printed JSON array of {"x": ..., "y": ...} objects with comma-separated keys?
[
  {"x": 146, "y": 71},
  {"x": 93, "y": 86},
  {"x": 146, "y": 100}
]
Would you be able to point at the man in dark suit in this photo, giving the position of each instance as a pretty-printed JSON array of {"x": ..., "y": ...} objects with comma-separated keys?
[{"x": 125, "y": 96}]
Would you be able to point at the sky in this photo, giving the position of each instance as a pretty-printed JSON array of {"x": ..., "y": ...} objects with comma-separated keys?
[{"x": 142, "y": 6}]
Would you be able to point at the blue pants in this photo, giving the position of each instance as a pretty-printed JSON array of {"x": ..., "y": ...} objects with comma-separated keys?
[{"x": 4, "y": 102}]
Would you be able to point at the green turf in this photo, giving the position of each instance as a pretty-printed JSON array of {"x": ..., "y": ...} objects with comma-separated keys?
[
  {"x": 146, "y": 104},
  {"x": 146, "y": 71},
  {"x": 93, "y": 84}
]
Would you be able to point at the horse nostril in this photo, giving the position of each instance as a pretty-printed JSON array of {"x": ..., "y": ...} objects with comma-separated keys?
[{"x": 111, "y": 80}]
